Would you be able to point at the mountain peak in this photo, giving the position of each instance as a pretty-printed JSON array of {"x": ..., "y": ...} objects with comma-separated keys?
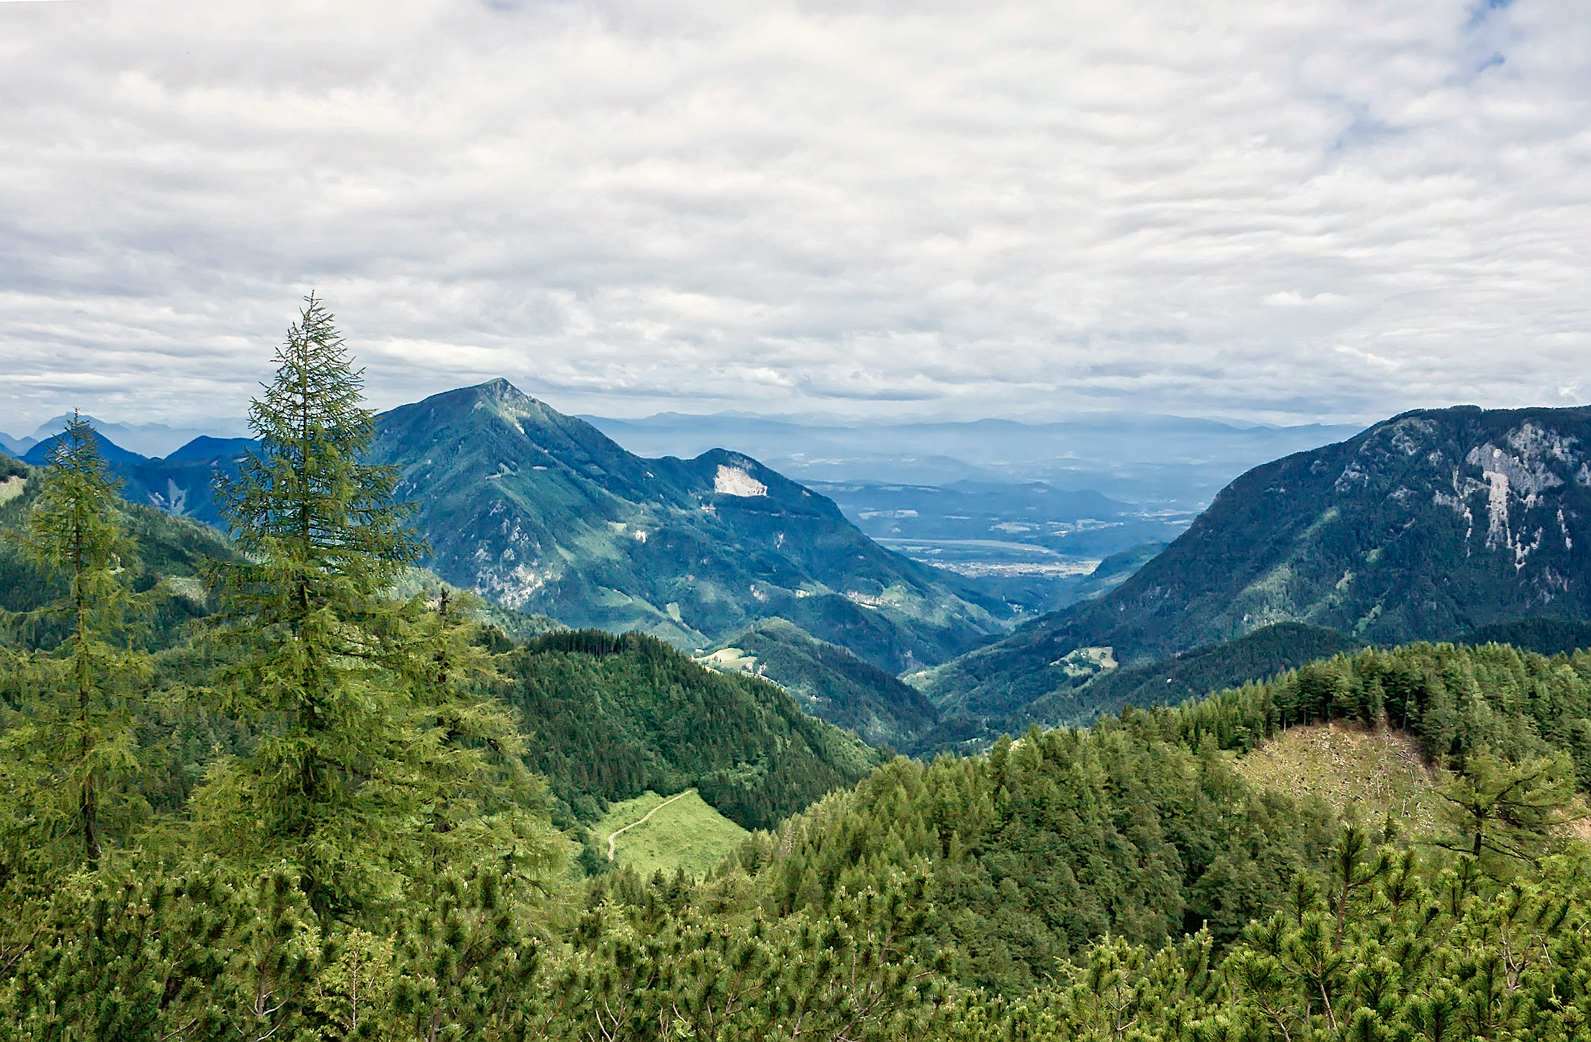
[
  {"x": 39, "y": 454},
  {"x": 542, "y": 511},
  {"x": 500, "y": 390}
]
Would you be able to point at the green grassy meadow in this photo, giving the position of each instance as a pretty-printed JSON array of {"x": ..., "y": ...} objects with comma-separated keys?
[{"x": 687, "y": 833}]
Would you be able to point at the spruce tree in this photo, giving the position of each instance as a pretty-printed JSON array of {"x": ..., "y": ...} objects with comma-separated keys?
[
  {"x": 75, "y": 734},
  {"x": 477, "y": 770}
]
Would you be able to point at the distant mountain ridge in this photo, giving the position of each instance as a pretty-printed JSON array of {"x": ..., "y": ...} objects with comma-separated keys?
[
  {"x": 152, "y": 440},
  {"x": 542, "y": 512},
  {"x": 39, "y": 454},
  {"x": 183, "y": 483},
  {"x": 1131, "y": 456},
  {"x": 1426, "y": 526}
]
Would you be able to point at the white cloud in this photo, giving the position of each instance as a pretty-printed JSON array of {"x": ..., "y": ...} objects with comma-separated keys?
[{"x": 927, "y": 208}]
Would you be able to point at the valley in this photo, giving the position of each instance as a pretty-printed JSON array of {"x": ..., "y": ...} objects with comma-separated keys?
[
  {"x": 528, "y": 521},
  {"x": 722, "y": 777}
]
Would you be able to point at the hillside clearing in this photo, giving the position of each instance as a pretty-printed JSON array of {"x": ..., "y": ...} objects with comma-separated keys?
[
  {"x": 1354, "y": 770},
  {"x": 653, "y": 832}
]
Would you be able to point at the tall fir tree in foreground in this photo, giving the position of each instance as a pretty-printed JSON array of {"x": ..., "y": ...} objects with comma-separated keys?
[
  {"x": 351, "y": 756},
  {"x": 59, "y": 762}
]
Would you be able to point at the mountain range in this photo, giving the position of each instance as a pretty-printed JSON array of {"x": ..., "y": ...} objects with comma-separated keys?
[
  {"x": 152, "y": 440},
  {"x": 1424, "y": 527},
  {"x": 1170, "y": 461},
  {"x": 1433, "y": 525},
  {"x": 542, "y": 513}
]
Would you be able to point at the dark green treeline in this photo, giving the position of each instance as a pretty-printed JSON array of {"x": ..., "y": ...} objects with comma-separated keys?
[
  {"x": 613, "y": 716},
  {"x": 1456, "y": 699}
]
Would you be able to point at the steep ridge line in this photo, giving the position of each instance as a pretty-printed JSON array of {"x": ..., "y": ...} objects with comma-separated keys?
[
  {"x": 1425, "y": 527},
  {"x": 614, "y": 835}
]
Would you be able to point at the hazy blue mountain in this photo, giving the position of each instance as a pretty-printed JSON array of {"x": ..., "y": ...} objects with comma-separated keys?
[
  {"x": 146, "y": 439},
  {"x": 1424, "y": 527},
  {"x": 207, "y": 448},
  {"x": 15, "y": 447},
  {"x": 120, "y": 458},
  {"x": 184, "y": 482},
  {"x": 542, "y": 512},
  {"x": 181, "y": 484},
  {"x": 829, "y": 682}
]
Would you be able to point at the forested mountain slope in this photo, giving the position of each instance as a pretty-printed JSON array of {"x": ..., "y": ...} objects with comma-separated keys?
[
  {"x": 1138, "y": 827},
  {"x": 1192, "y": 674},
  {"x": 830, "y": 683},
  {"x": 1423, "y": 527},
  {"x": 170, "y": 549},
  {"x": 981, "y": 712},
  {"x": 609, "y": 717},
  {"x": 542, "y": 512}
]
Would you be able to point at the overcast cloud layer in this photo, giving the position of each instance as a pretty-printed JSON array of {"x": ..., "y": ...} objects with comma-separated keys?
[{"x": 1286, "y": 211}]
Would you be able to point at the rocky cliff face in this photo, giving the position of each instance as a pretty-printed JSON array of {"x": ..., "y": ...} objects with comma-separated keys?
[{"x": 1423, "y": 527}]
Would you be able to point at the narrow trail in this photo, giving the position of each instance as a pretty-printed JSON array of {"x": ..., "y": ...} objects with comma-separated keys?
[{"x": 613, "y": 836}]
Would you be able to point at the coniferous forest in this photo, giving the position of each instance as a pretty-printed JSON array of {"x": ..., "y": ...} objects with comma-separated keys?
[{"x": 248, "y": 791}]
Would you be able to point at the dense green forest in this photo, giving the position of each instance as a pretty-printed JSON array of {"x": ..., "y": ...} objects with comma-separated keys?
[
  {"x": 313, "y": 808},
  {"x": 616, "y": 716},
  {"x": 1266, "y": 652}
]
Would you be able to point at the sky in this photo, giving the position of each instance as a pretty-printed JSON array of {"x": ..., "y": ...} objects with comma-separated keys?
[{"x": 1280, "y": 212}]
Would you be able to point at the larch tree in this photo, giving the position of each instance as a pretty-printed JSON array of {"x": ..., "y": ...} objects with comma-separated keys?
[
  {"x": 1505, "y": 814},
  {"x": 75, "y": 735},
  {"x": 361, "y": 726},
  {"x": 330, "y": 782}
]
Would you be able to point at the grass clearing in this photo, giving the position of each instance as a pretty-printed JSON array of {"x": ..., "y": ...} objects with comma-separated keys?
[
  {"x": 1354, "y": 770},
  {"x": 683, "y": 831},
  {"x": 729, "y": 660}
]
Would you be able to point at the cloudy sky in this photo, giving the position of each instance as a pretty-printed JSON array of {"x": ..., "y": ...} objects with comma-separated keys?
[{"x": 1284, "y": 211}]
